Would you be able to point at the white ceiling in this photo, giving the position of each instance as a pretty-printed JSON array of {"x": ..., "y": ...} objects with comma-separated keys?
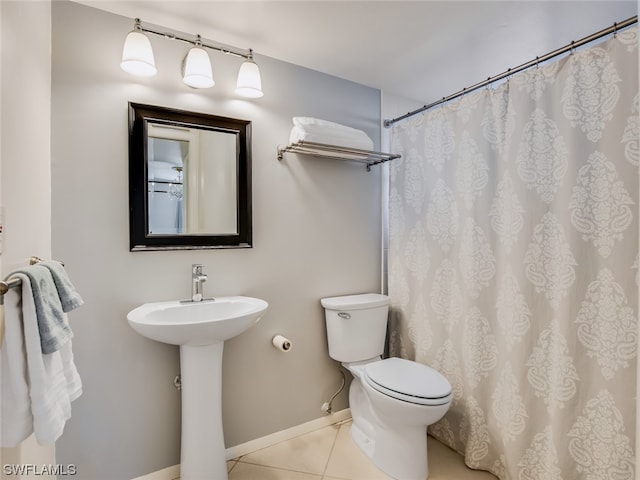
[{"x": 421, "y": 50}]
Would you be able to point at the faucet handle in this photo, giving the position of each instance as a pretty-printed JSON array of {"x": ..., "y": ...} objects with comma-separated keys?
[{"x": 196, "y": 268}]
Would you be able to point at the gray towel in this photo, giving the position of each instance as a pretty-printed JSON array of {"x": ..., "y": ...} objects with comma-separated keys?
[
  {"x": 52, "y": 321},
  {"x": 69, "y": 298}
]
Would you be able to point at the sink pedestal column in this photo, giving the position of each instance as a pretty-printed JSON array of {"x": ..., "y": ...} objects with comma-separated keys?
[{"x": 202, "y": 454}]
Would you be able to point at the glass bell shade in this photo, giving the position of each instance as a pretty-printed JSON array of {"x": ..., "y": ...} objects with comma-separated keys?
[
  {"x": 249, "y": 81},
  {"x": 137, "y": 55},
  {"x": 197, "y": 69}
]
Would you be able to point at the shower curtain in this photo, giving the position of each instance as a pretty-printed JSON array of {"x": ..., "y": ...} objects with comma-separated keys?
[{"x": 513, "y": 264}]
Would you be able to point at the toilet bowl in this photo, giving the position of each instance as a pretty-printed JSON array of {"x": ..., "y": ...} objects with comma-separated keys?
[{"x": 392, "y": 400}]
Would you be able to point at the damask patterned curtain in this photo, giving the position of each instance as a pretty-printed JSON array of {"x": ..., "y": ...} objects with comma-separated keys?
[{"x": 513, "y": 264}]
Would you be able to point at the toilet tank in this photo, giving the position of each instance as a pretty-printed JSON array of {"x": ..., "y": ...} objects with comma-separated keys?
[{"x": 356, "y": 326}]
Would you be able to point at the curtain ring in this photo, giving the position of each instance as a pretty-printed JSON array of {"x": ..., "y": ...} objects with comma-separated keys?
[
  {"x": 572, "y": 47},
  {"x": 537, "y": 62},
  {"x": 615, "y": 29}
]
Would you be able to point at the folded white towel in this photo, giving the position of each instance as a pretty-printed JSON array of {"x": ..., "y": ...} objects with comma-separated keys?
[
  {"x": 322, "y": 131},
  {"x": 45, "y": 383},
  {"x": 311, "y": 124},
  {"x": 298, "y": 134}
]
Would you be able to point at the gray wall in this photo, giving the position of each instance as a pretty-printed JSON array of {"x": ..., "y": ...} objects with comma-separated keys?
[{"x": 316, "y": 233}]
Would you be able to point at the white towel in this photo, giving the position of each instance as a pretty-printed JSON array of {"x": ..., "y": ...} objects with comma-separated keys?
[
  {"x": 322, "y": 131},
  {"x": 16, "y": 421},
  {"x": 37, "y": 388},
  {"x": 317, "y": 124}
]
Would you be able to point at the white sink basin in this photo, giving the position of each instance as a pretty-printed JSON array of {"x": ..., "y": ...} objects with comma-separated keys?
[{"x": 197, "y": 323}]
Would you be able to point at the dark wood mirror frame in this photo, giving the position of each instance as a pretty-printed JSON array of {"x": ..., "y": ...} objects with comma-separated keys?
[{"x": 140, "y": 240}]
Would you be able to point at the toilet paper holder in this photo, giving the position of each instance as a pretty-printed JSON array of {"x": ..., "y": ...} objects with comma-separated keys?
[{"x": 282, "y": 343}]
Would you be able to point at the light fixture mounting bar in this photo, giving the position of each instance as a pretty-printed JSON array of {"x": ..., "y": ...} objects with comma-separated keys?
[{"x": 172, "y": 36}]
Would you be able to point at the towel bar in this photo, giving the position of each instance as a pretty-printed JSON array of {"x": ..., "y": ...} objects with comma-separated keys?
[{"x": 5, "y": 286}]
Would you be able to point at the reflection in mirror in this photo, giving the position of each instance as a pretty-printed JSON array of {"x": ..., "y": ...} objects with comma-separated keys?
[
  {"x": 181, "y": 179},
  {"x": 195, "y": 173},
  {"x": 166, "y": 188}
]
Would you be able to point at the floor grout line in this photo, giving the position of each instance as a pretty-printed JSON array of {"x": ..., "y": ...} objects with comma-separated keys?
[
  {"x": 335, "y": 439},
  {"x": 235, "y": 462},
  {"x": 333, "y": 445}
]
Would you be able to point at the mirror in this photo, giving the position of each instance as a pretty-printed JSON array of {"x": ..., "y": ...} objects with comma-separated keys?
[{"x": 189, "y": 180}]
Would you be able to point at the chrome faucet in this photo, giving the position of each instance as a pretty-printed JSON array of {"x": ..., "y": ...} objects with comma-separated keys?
[{"x": 197, "y": 279}]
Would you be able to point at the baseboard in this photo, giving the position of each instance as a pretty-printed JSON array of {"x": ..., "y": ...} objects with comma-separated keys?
[{"x": 173, "y": 472}]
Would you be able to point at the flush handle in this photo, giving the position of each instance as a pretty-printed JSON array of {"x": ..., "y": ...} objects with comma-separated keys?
[{"x": 344, "y": 315}]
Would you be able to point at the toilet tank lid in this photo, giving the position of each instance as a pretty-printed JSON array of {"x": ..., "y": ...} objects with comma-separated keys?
[{"x": 355, "y": 302}]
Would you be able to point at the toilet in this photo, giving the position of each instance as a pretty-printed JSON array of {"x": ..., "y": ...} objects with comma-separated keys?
[{"x": 392, "y": 400}]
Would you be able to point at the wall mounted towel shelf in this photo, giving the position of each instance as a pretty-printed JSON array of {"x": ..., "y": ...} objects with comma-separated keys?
[{"x": 368, "y": 157}]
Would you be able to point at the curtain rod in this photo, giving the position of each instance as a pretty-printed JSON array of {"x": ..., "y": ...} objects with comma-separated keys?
[{"x": 613, "y": 29}]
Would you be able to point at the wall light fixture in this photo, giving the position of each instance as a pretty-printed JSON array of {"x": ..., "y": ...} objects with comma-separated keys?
[{"x": 137, "y": 59}]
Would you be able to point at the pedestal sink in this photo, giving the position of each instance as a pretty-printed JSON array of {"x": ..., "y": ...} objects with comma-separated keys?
[{"x": 200, "y": 328}]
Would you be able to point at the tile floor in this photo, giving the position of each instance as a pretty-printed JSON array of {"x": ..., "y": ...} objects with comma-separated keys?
[{"x": 330, "y": 454}]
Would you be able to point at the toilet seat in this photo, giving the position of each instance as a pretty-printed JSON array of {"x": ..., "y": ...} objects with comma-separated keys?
[{"x": 408, "y": 381}]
